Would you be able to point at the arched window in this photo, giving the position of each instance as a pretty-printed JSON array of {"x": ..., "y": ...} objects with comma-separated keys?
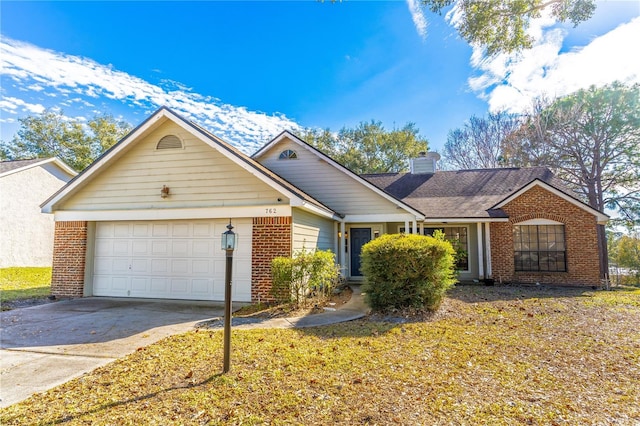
[
  {"x": 169, "y": 142},
  {"x": 288, "y": 154}
]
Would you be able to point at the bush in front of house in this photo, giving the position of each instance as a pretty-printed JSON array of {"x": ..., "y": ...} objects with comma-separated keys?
[
  {"x": 407, "y": 271},
  {"x": 307, "y": 273}
]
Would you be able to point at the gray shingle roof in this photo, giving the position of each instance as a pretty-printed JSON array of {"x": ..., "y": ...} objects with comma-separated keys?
[
  {"x": 462, "y": 193},
  {"x": 7, "y": 166}
]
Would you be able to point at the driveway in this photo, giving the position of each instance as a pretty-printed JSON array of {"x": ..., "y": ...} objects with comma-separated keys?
[{"x": 47, "y": 345}]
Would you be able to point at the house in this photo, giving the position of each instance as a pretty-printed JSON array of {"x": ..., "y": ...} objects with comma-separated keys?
[
  {"x": 27, "y": 233},
  {"x": 145, "y": 219}
]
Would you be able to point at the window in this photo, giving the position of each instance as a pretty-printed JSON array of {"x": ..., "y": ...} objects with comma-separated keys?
[
  {"x": 457, "y": 235},
  {"x": 169, "y": 142},
  {"x": 288, "y": 154},
  {"x": 539, "y": 248}
]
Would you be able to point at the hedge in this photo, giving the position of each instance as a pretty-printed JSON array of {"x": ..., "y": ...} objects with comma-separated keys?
[{"x": 403, "y": 271}]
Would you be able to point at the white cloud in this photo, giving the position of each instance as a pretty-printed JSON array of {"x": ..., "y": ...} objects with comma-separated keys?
[
  {"x": 13, "y": 105},
  {"x": 59, "y": 73},
  {"x": 511, "y": 82},
  {"x": 419, "y": 20}
]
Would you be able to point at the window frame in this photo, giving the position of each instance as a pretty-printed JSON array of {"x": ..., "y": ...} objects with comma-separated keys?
[
  {"x": 529, "y": 254},
  {"x": 288, "y": 154}
]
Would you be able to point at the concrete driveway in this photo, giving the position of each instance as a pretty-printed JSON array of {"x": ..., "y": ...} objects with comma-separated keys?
[{"x": 47, "y": 345}]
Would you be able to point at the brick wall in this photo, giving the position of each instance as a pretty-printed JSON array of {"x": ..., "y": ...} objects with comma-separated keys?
[
  {"x": 271, "y": 238},
  {"x": 69, "y": 252},
  {"x": 580, "y": 237}
]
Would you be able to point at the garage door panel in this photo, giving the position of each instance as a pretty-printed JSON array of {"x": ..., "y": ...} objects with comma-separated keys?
[
  {"x": 141, "y": 230},
  {"x": 121, "y": 230},
  {"x": 201, "y": 266},
  {"x": 170, "y": 259},
  {"x": 140, "y": 285},
  {"x": 179, "y": 248},
  {"x": 140, "y": 266},
  {"x": 179, "y": 266},
  {"x": 120, "y": 266},
  {"x": 180, "y": 287},
  {"x": 120, "y": 283},
  {"x": 202, "y": 230},
  {"x": 159, "y": 266},
  {"x": 201, "y": 248},
  {"x": 160, "y": 230},
  {"x": 201, "y": 286},
  {"x": 139, "y": 247},
  {"x": 160, "y": 285},
  {"x": 160, "y": 247},
  {"x": 180, "y": 230}
]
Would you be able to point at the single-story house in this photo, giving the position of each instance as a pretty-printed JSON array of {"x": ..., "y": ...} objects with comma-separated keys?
[
  {"x": 146, "y": 218},
  {"x": 27, "y": 233}
]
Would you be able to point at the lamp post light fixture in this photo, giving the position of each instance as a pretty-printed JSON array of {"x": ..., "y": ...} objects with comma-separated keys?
[{"x": 228, "y": 245}]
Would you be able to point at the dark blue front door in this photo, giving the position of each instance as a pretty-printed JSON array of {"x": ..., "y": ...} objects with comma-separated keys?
[{"x": 358, "y": 238}]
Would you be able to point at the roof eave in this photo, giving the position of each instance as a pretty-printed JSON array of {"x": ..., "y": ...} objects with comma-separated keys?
[{"x": 601, "y": 217}]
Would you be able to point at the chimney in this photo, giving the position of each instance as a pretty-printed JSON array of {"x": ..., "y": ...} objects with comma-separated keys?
[{"x": 424, "y": 163}]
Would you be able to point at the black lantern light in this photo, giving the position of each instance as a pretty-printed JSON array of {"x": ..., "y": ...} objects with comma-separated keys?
[{"x": 228, "y": 245}]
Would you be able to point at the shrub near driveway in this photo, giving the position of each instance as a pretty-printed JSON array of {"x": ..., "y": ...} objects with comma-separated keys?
[
  {"x": 407, "y": 271},
  {"x": 488, "y": 356}
]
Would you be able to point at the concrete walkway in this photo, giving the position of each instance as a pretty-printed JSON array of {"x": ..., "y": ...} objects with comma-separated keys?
[
  {"x": 354, "y": 309},
  {"x": 47, "y": 345}
]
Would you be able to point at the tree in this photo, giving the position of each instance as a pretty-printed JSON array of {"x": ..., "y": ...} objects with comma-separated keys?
[
  {"x": 624, "y": 249},
  {"x": 591, "y": 139},
  {"x": 369, "y": 148},
  {"x": 52, "y": 134},
  {"x": 479, "y": 143},
  {"x": 500, "y": 25}
]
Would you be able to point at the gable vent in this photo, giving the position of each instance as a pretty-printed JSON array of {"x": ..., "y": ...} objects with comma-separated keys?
[{"x": 169, "y": 142}]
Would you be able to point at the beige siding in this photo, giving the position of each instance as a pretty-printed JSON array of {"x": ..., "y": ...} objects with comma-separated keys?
[
  {"x": 325, "y": 183},
  {"x": 310, "y": 231},
  {"x": 197, "y": 175},
  {"x": 27, "y": 233}
]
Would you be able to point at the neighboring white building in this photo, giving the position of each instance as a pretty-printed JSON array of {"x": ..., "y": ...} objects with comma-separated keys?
[{"x": 27, "y": 233}]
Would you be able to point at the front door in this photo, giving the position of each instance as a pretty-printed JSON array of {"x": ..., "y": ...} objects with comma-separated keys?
[{"x": 359, "y": 237}]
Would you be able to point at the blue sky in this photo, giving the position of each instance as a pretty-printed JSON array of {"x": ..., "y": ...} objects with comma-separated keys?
[{"x": 248, "y": 70}]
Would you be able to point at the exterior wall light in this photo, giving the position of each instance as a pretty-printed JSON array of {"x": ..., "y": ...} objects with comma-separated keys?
[{"x": 164, "y": 192}]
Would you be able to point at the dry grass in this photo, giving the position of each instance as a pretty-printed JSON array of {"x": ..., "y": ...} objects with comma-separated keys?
[{"x": 502, "y": 355}]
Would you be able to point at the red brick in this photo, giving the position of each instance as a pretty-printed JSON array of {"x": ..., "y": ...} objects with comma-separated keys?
[{"x": 580, "y": 235}]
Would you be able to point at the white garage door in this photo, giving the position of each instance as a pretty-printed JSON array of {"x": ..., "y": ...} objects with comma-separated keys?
[{"x": 170, "y": 260}]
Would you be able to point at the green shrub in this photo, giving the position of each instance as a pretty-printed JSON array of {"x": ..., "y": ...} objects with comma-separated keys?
[
  {"x": 308, "y": 273},
  {"x": 402, "y": 271},
  {"x": 281, "y": 275}
]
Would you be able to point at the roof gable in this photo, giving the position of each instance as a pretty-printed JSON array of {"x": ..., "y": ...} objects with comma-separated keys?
[
  {"x": 601, "y": 217},
  {"x": 164, "y": 115},
  {"x": 17, "y": 166},
  {"x": 281, "y": 142}
]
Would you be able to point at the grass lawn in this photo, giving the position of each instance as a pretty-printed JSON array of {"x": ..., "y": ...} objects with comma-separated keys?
[
  {"x": 24, "y": 283},
  {"x": 491, "y": 355}
]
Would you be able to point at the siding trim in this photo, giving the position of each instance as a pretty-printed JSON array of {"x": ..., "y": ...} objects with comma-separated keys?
[{"x": 169, "y": 214}]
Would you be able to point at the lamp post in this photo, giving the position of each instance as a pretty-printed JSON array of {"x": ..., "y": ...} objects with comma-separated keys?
[{"x": 228, "y": 245}]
